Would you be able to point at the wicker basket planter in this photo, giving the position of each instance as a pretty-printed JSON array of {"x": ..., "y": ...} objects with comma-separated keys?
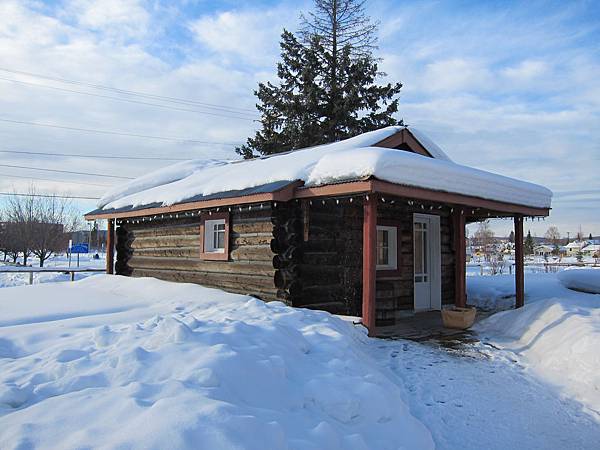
[{"x": 458, "y": 318}]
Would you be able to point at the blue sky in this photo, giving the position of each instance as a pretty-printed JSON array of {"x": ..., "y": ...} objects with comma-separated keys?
[{"x": 510, "y": 87}]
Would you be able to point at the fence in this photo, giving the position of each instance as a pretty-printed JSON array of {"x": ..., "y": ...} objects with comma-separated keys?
[
  {"x": 547, "y": 267},
  {"x": 31, "y": 271}
]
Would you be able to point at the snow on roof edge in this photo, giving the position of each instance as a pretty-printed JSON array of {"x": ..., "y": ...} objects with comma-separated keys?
[{"x": 342, "y": 161}]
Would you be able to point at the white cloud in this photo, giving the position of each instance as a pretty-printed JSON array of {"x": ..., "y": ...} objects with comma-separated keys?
[
  {"x": 526, "y": 70},
  {"x": 121, "y": 19},
  {"x": 252, "y": 35},
  {"x": 456, "y": 74}
]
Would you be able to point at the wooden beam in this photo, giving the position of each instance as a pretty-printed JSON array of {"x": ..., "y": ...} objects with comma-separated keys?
[
  {"x": 519, "y": 263},
  {"x": 110, "y": 246},
  {"x": 329, "y": 190},
  {"x": 404, "y": 136},
  {"x": 282, "y": 195},
  {"x": 369, "y": 263},
  {"x": 468, "y": 201},
  {"x": 411, "y": 192},
  {"x": 460, "y": 252}
]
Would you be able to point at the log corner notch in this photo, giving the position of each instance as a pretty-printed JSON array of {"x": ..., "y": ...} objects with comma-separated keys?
[
  {"x": 110, "y": 246},
  {"x": 519, "y": 263},
  {"x": 460, "y": 251},
  {"x": 369, "y": 263}
]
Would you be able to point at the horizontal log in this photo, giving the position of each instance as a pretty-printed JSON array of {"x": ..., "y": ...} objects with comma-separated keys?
[
  {"x": 251, "y": 239},
  {"x": 244, "y": 283},
  {"x": 197, "y": 264},
  {"x": 263, "y": 226},
  {"x": 189, "y": 252},
  {"x": 252, "y": 253},
  {"x": 166, "y": 241},
  {"x": 166, "y": 229}
]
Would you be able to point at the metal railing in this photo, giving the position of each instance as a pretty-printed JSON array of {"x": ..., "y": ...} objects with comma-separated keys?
[{"x": 32, "y": 270}]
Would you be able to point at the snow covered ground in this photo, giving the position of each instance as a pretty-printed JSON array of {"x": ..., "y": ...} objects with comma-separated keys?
[
  {"x": 114, "y": 362},
  {"x": 556, "y": 335},
  {"x": 57, "y": 261}
]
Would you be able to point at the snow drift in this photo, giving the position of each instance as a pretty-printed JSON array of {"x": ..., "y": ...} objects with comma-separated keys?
[
  {"x": 579, "y": 279},
  {"x": 115, "y": 362},
  {"x": 557, "y": 332},
  {"x": 351, "y": 159}
]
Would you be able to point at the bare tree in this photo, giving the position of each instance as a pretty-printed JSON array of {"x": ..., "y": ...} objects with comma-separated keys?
[
  {"x": 484, "y": 239},
  {"x": 39, "y": 224},
  {"x": 339, "y": 24},
  {"x": 552, "y": 234},
  {"x": 20, "y": 213},
  {"x": 56, "y": 218}
]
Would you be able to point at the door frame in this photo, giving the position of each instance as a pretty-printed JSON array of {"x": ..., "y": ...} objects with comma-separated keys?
[{"x": 435, "y": 259}]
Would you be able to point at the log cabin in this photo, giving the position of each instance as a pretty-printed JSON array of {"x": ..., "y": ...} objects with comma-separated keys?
[{"x": 373, "y": 226}]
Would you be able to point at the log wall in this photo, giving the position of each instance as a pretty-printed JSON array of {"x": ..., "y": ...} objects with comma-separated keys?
[
  {"x": 170, "y": 250},
  {"x": 307, "y": 255},
  {"x": 331, "y": 268}
]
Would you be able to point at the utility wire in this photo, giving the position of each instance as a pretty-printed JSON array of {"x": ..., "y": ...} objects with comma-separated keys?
[
  {"x": 129, "y": 92},
  {"x": 65, "y": 171},
  {"x": 239, "y": 115},
  {"x": 18, "y": 194},
  {"x": 54, "y": 181},
  {"x": 77, "y": 155},
  {"x": 117, "y": 133}
]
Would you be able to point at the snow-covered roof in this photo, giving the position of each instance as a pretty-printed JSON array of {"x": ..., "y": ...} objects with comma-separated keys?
[
  {"x": 575, "y": 244},
  {"x": 352, "y": 159},
  {"x": 591, "y": 248}
]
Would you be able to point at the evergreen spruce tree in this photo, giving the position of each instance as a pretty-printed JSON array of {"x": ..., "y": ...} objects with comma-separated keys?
[
  {"x": 591, "y": 237},
  {"x": 529, "y": 244},
  {"x": 327, "y": 87},
  {"x": 511, "y": 237}
]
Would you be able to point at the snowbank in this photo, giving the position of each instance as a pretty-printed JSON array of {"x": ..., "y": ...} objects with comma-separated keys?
[
  {"x": 350, "y": 159},
  {"x": 556, "y": 334},
  {"x": 114, "y": 362},
  {"x": 585, "y": 280}
]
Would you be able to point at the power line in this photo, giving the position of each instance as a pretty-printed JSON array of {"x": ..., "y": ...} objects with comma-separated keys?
[
  {"x": 238, "y": 115},
  {"x": 18, "y": 194},
  {"x": 117, "y": 133},
  {"x": 76, "y": 155},
  {"x": 54, "y": 181},
  {"x": 66, "y": 171},
  {"x": 129, "y": 92}
]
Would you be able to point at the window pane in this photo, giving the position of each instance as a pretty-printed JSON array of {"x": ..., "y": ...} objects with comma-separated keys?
[
  {"x": 382, "y": 256},
  {"x": 425, "y": 252},
  {"x": 383, "y": 247},
  {"x": 221, "y": 239},
  {"x": 418, "y": 252}
]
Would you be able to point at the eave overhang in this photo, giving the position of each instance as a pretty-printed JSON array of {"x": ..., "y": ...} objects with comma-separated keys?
[{"x": 296, "y": 190}]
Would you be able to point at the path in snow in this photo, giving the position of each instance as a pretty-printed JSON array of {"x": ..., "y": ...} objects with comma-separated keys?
[{"x": 480, "y": 398}]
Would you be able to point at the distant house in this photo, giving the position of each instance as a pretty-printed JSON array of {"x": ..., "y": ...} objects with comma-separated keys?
[
  {"x": 372, "y": 226},
  {"x": 574, "y": 248},
  {"x": 592, "y": 250},
  {"x": 543, "y": 250}
]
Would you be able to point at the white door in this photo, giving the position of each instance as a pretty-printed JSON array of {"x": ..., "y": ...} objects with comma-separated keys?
[{"x": 427, "y": 262}]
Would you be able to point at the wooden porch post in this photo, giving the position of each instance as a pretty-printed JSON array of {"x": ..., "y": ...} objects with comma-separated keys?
[
  {"x": 460, "y": 249},
  {"x": 519, "y": 263},
  {"x": 369, "y": 263},
  {"x": 110, "y": 246}
]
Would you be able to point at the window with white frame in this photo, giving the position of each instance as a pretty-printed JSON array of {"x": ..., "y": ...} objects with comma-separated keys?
[
  {"x": 387, "y": 248},
  {"x": 214, "y": 236}
]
